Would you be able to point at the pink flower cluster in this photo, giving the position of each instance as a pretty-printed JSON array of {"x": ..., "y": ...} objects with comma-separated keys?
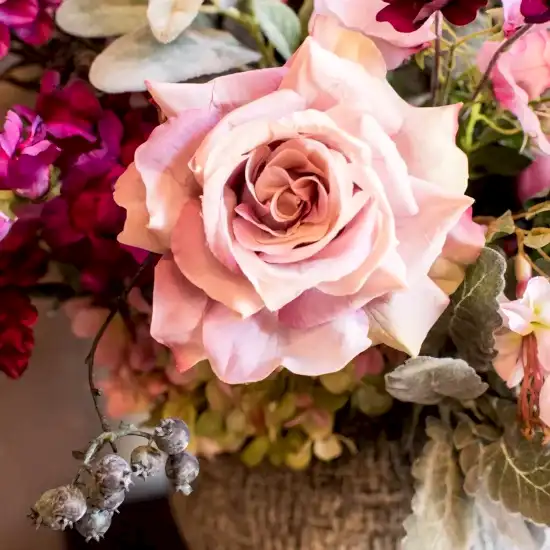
[
  {"x": 30, "y": 20},
  {"x": 72, "y": 147}
]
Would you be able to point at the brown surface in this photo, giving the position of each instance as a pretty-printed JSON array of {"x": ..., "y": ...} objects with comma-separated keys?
[{"x": 355, "y": 504}]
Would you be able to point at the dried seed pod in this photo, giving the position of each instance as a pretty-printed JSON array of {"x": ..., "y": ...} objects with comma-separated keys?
[
  {"x": 172, "y": 436},
  {"x": 94, "y": 524},
  {"x": 112, "y": 474},
  {"x": 182, "y": 470},
  {"x": 101, "y": 501},
  {"x": 59, "y": 508},
  {"x": 146, "y": 460}
]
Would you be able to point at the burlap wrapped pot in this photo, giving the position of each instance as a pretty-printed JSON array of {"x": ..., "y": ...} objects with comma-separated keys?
[{"x": 355, "y": 503}]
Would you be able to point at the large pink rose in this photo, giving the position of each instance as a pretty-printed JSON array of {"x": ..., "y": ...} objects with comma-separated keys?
[
  {"x": 521, "y": 75},
  {"x": 299, "y": 210},
  {"x": 395, "y": 46}
]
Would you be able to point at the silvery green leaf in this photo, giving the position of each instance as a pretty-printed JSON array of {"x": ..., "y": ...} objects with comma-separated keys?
[
  {"x": 442, "y": 514},
  {"x": 101, "y": 18},
  {"x": 280, "y": 24},
  {"x": 129, "y": 61},
  {"x": 517, "y": 474},
  {"x": 427, "y": 380},
  {"x": 496, "y": 529},
  {"x": 169, "y": 18},
  {"x": 473, "y": 314}
]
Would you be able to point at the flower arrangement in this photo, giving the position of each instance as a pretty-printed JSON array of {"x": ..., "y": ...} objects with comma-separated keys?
[{"x": 356, "y": 217}]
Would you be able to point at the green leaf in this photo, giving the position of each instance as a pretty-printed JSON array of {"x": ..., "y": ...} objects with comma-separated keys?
[
  {"x": 236, "y": 422},
  {"x": 442, "y": 514},
  {"x": 180, "y": 406},
  {"x": 304, "y": 15},
  {"x": 280, "y": 24},
  {"x": 517, "y": 474},
  {"x": 496, "y": 159},
  {"x": 300, "y": 459},
  {"x": 474, "y": 310},
  {"x": 210, "y": 424},
  {"x": 327, "y": 449},
  {"x": 327, "y": 401},
  {"x": 537, "y": 241},
  {"x": 372, "y": 401},
  {"x": 218, "y": 400},
  {"x": 427, "y": 380},
  {"x": 255, "y": 451},
  {"x": 503, "y": 225},
  {"x": 338, "y": 382}
]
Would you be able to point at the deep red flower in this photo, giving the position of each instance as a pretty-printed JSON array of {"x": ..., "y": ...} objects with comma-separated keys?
[
  {"x": 410, "y": 15},
  {"x": 22, "y": 261},
  {"x": 535, "y": 11},
  {"x": 17, "y": 317}
]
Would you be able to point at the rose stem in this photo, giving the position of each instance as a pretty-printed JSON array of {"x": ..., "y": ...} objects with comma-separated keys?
[
  {"x": 437, "y": 55},
  {"x": 501, "y": 49}
]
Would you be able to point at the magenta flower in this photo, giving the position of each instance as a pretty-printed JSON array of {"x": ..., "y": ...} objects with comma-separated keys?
[
  {"x": 30, "y": 20},
  {"x": 25, "y": 156},
  {"x": 535, "y": 11},
  {"x": 5, "y": 225}
]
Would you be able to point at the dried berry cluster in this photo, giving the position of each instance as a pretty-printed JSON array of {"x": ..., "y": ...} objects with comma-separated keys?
[{"x": 89, "y": 506}]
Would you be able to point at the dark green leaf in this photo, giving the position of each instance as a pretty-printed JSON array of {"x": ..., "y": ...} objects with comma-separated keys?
[{"x": 474, "y": 310}]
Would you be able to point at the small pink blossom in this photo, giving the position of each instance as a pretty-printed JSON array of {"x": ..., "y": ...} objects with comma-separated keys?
[
  {"x": 26, "y": 156},
  {"x": 523, "y": 346},
  {"x": 534, "y": 181},
  {"x": 521, "y": 75},
  {"x": 5, "y": 225},
  {"x": 359, "y": 15},
  {"x": 513, "y": 19}
]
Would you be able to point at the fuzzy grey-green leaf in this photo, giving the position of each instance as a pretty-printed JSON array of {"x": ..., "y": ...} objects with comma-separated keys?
[
  {"x": 427, "y": 380},
  {"x": 474, "y": 310},
  {"x": 517, "y": 474},
  {"x": 442, "y": 514},
  {"x": 280, "y": 24}
]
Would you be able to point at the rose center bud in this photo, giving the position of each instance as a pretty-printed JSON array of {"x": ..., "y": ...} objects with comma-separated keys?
[{"x": 283, "y": 196}]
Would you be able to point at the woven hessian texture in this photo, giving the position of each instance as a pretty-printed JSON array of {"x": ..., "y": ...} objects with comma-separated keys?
[{"x": 357, "y": 503}]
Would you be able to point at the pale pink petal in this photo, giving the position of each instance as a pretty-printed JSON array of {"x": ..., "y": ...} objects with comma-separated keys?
[
  {"x": 534, "y": 181},
  {"x": 348, "y": 44},
  {"x": 130, "y": 194},
  {"x": 518, "y": 317},
  {"x": 370, "y": 362},
  {"x": 429, "y": 133},
  {"x": 223, "y": 94},
  {"x": 537, "y": 296},
  {"x": 386, "y": 161},
  {"x": 508, "y": 362},
  {"x": 395, "y": 55},
  {"x": 462, "y": 248},
  {"x": 521, "y": 74},
  {"x": 198, "y": 265},
  {"x": 422, "y": 237},
  {"x": 241, "y": 350},
  {"x": 362, "y": 16},
  {"x": 326, "y": 348},
  {"x": 178, "y": 311},
  {"x": 543, "y": 347},
  {"x": 316, "y": 75},
  {"x": 248, "y": 350},
  {"x": 512, "y": 16},
  {"x": 544, "y": 402},
  {"x": 162, "y": 161},
  {"x": 402, "y": 319}
]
